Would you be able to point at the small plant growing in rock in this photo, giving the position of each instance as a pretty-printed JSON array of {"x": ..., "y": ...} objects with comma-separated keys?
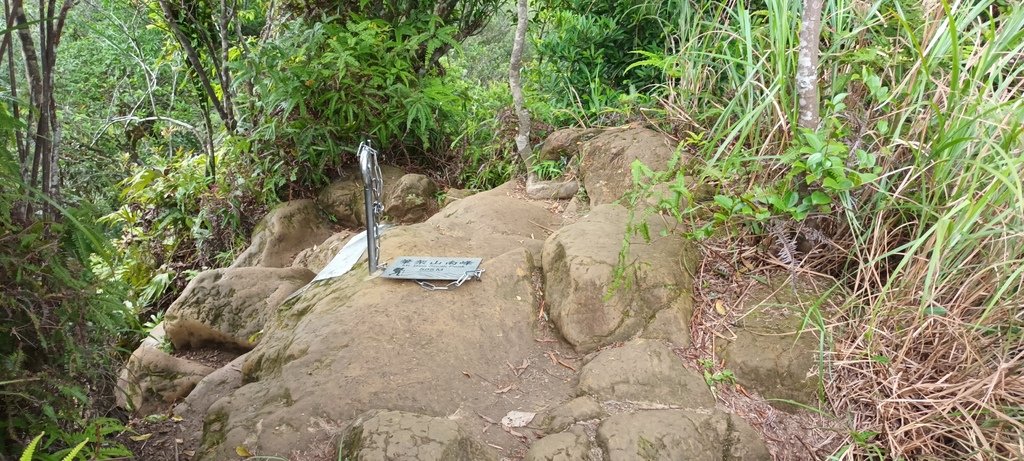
[{"x": 715, "y": 378}]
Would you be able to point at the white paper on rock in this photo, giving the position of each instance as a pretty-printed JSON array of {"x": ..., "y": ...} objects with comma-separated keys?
[
  {"x": 344, "y": 261},
  {"x": 517, "y": 419}
]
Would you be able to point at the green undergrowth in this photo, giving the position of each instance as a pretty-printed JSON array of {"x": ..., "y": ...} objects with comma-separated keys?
[
  {"x": 909, "y": 195},
  {"x": 61, "y": 325}
]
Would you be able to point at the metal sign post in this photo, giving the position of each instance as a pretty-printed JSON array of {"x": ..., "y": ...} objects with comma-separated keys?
[
  {"x": 373, "y": 190},
  {"x": 416, "y": 268}
]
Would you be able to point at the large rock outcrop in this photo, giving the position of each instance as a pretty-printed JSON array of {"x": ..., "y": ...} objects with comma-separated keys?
[
  {"x": 362, "y": 367},
  {"x": 352, "y": 344},
  {"x": 598, "y": 295}
]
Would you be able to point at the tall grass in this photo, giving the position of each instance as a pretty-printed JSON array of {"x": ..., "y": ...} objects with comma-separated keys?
[{"x": 926, "y": 358}]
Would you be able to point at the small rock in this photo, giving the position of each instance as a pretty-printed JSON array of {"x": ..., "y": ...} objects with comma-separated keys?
[
  {"x": 412, "y": 199},
  {"x": 565, "y": 446},
  {"x": 452, "y": 195},
  {"x": 564, "y": 143},
  {"x": 517, "y": 419},
  {"x": 551, "y": 190},
  {"x": 672, "y": 324},
  {"x": 579, "y": 409},
  {"x": 644, "y": 371},
  {"x": 767, "y": 355},
  {"x": 343, "y": 198},
  {"x": 288, "y": 229},
  {"x": 380, "y": 435},
  {"x": 679, "y": 434}
]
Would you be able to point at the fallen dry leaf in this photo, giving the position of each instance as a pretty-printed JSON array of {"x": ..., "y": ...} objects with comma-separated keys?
[{"x": 720, "y": 307}]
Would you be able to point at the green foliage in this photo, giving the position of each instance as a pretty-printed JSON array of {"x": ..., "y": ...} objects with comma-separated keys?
[
  {"x": 916, "y": 163},
  {"x": 174, "y": 219},
  {"x": 60, "y": 319},
  {"x": 425, "y": 22},
  {"x": 586, "y": 49},
  {"x": 90, "y": 444},
  {"x": 485, "y": 142},
  {"x": 549, "y": 169},
  {"x": 110, "y": 85},
  {"x": 323, "y": 86}
]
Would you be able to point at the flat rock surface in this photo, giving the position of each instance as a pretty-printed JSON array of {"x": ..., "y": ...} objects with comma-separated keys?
[
  {"x": 679, "y": 435},
  {"x": 397, "y": 435}
]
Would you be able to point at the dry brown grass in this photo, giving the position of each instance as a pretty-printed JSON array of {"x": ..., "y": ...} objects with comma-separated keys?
[{"x": 929, "y": 386}]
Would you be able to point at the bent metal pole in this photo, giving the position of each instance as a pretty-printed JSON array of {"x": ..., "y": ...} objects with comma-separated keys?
[{"x": 373, "y": 185}]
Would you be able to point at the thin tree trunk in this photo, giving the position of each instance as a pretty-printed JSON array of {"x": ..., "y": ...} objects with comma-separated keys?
[
  {"x": 807, "y": 65},
  {"x": 225, "y": 75},
  {"x": 40, "y": 62},
  {"x": 193, "y": 59},
  {"x": 515, "y": 82}
]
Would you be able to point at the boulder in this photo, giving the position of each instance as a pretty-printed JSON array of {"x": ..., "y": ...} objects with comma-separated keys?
[
  {"x": 564, "y": 143},
  {"x": 398, "y": 435},
  {"x": 606, "y": 159},
  {"x": 565, "y": 446},
  {"x": 317, "y": 257},
  {"x": 210, "y": 389},
  {"x": 412, "y": 199},
  {"x": 453, "y": 195},
  {"x": 352, "y": 344},
  {"x": 152, "y": 380},
  {"x": 770, "y": 354},
  {"x": 593, "y": 300},
  {"x": 579, "y": 409},
  {"x": 558, "y": 189},
  {"x": 673, "y": 323},
  {"x": 679, "y": 434},
  {"x": 288, "y": 229},
  {"x": 230, "y": 306},
  {"x": 342, "y": 200},
  {"x": 644, "y": 371}
]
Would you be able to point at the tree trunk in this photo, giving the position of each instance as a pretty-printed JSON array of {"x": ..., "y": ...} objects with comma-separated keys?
[
  {"x": 515, "y": 82},
  {"x": 41, "y": 169},
  {"x": 197, "y": 65},
  {"x": 807, "y": 65}
]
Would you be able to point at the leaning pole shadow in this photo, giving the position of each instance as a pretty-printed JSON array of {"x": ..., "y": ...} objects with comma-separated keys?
[{"x": 421, "y": 269}]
